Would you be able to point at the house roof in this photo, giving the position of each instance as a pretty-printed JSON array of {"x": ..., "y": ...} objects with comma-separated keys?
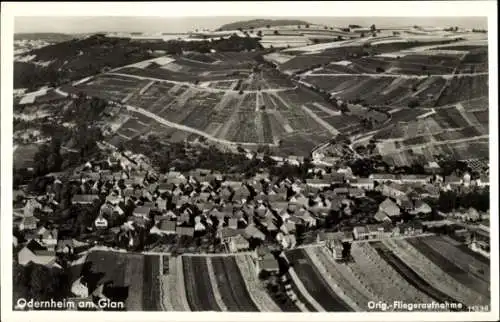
[
  {"x": 360, "y": 230},
  {"x": 253, "y": 231},
  {"x": 389, "y": 207},
  {"x": 61, "y": 243},
  {"x": 167, "y": 225},
  {"x": 269, "y": 263},
  {"x": 185, "y": 231},
  {"x": 28, "y": 221},
  {"x": 84, "y": 198},
  {"x": 227, "y": 232},
  {"x": 142, "y": 210}
]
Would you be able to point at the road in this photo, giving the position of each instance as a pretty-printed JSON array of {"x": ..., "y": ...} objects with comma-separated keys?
[
  {"x": 398, "y": 75},
  {"x": 207, "y": 89}
]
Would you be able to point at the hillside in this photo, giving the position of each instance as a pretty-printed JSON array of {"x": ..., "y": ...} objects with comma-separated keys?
[
  {"x": 78, "y": 58},
  {"x": 45, "y": 36},
  {"x": 261, "y": 23}
]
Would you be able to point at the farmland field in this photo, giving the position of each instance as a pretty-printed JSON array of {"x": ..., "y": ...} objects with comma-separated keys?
[
  {"x": 231, "y": 285},
  {"x": 199, "y": 291},
  {"x": 457, "y": 271},
  {"x": 411, "y": 276},
  {"x": 133, "y": 277},
  {"x": 315, "y": 283},
  {"x": 432, "y": 273}
]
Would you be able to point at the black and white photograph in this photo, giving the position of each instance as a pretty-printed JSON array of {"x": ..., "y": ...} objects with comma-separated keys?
[{"x": 245, "y": 163}]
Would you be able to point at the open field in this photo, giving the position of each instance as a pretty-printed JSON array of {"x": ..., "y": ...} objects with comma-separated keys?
[
  {"x": 231, "y": 285},
  {"x": 200, "y": 294},
  {"x": 410, "y": 275},
  {"x": 315, "y": 283},
  {"x": 132, "y": 278},
  {"x": 381, "y": 278},
  {"x": 456, "y": 270},
  {"x": 432, "y": 273}
]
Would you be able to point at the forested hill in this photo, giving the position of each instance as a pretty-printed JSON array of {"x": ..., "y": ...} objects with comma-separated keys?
[
  {"x": 261, "y": 23},
  {"x": 78, "y": 58}
]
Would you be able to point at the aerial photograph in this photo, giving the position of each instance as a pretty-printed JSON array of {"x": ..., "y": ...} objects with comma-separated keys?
[{"x": 251, "y": 164}]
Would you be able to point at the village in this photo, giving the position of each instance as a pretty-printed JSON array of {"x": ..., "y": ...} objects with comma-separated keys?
[{"x": 128, "y": 206}]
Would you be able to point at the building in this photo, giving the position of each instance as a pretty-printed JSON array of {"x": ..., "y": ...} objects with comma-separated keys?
[
  {"x": 415, "y": 178},
  {"x": 362, "y": 183},
  {"x": 167, "y": 227},
  {"x": 393, "y": 190},
  {"x": 36, "y": 253},
  {"x": 390, "y": 208},
  {"x": 142, "y": 211},
  {"x": 101, "y": 222},
  {"x": 265, "y": 262},
  {"x": 185, "y": 231},
  {"x": 238, "y": 243},
  {"x": 28, "y": 223},
  {"x": 47, "y": 237},
  {"x": 360, "y": 233},
  {"x": 336, "y": 248},
  {"x": 84, "y": 199}
]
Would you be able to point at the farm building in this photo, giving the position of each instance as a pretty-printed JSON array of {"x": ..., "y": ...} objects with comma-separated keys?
[{"x": 167, "y": 226}]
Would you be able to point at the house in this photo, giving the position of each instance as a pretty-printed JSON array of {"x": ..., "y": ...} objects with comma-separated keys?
[
  {"x": 413, "y": 228},
  {"x": 185, "y": 231},
  {"x": 393, "y": 190},
  {"x": 378, "y": 231},
  {"x": 483, "y": 181},
  {"x": 266, "y": 263},
  {"x": 65, "y": 246},
  {"x": 382, "y": 177},
  {"x": 390, "y": 208},
  {"x": 28, "y": 223},
  {"x": 318, "y": 183},
  {"x": 381, "y": 216},
  {"x": 356, "y": 193},
  {"x": 252, "y": 231},
  {"x": 415, "y": 178},
  {"x": 225, "y": 233},
  {"x": 238, "y": 243},
  {"x": 360, "y": 233},
  {"x": 362, "y": 183},
  {"x": 420, "y": 207},
  {"x": 167, "y": 227},
  {"x": 47, "y": 237},
  {"x": 34, "y": 252},
  {"x": 30, "y": 206},
  {"x": 287, "y": 241},
  {"x": 84, "y": 199},
  {"x": 233, "y": 223},
  {"x": 341, "y": 191},
  {"x": 101, "y": 222},
  {"x": 288, "y": 227},
  {"x": 335, "y": 247},
  {"x": 432, "y": 167},
  {"x": 142, "y": 211}
]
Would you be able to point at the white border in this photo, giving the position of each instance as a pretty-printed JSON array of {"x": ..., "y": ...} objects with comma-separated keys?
[{"x": 240, "y": 9}]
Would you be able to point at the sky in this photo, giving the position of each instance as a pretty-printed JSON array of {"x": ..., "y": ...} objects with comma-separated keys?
[{"x": 186, "y": 24}]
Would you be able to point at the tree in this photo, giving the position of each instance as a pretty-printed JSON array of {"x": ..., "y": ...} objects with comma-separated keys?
[
  {"x": 276, "y": 32},
  {"x": 307, "y": 26},
  {"x": 373, "y": 28}
]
